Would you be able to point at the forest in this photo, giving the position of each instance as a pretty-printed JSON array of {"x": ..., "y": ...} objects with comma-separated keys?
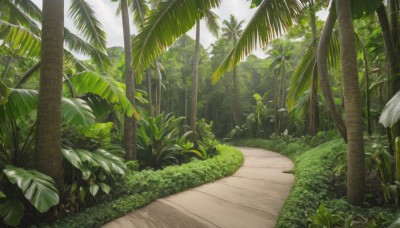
[{"x": 90, "y": 132}]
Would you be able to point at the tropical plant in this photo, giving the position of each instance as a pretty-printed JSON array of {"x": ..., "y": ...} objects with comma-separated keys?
[
  {"x": 18, "y": 183},
  {"x": 160, "y": 142},
  {"x": 92, "y": 162}
]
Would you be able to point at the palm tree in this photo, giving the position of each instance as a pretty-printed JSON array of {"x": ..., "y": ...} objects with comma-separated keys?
[
  {"x": 352, "y": 102},
  {"x": 212, "y": 23},
  {"x": 232, "y": 31},
  {"x": 48, "y": 157},
  {"x": 313, "y": 109},
  {"x": 139, "y": 9}
]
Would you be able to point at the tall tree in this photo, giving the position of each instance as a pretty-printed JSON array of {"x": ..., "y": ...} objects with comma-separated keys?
[
  {"x": 129, "y": 122},
  {"x": 48, "y": 130},
  {"x": 352, "y": 103},
  {"x": 212, "y": 23},
  {"x": 313, "y": 109},
  {"x": 232, "y": 31}
]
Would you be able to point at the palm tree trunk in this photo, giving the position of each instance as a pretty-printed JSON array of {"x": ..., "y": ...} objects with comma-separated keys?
[
  {"x": 368, "y": 95},
  {"x": 48, "y": 158},
  {"x": 236, "y": 98},
  {"x": 195, "y": 82},
  {"x": 313, "y": 109},
  {"x": 129, "y": 122},
  {"x": 149, "y": 93},
  {"x": 322, "y": 66},
  {"x": 158, "y": 89},
  {"x": 27, "y": 75},
  {"x": 352, "y": 97},
  {"x": 276, "y": 101},
  {"x": 6, "y": 68}
]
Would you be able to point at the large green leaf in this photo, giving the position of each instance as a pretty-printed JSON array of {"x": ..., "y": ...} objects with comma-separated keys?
[
  {"x": 4, "y": 92},
  {"x": 12, "y": 211},
  {"x": 167, "y": 22},
  {"x": 77, "y": 112},
  {"x": 391, "y": 112},
  {"x": 107, "y": 88},
  {"x": 21, "y": 102},
  {"x": 38, "y": 189}
]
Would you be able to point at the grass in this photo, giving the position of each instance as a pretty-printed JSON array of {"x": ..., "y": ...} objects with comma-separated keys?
[{"x": 140, "y": 188}]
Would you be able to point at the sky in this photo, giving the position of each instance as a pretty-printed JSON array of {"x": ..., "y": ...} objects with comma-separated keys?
[{"x": 105, "y": 12}]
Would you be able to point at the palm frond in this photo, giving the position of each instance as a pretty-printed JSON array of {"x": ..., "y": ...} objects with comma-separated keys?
[
  {"x": 87, "y": 23},
  {"x": 30, "y": 8},
  {"x": 301, "y": 78},
  {"x": 19, "y": 40},
  {"x": 211, "y": 20},
  {"x": 19, "y": 17},
  {"x": 140, "y": 10},
  {"x": 75, "y": 43},
  {"x": 107, "y": 88},
  {"x": 70, "y": 61},
  {"x": 167, "y": 22},
  {"x": 273, "y": 18}
]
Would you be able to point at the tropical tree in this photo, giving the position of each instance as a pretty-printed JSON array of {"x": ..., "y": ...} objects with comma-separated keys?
[
  {"x": 352, "y": 103},
  {"x": 212, "y": 23},
  {"x": 48, "y": 157},
  {"x": 232, "y": 31}
]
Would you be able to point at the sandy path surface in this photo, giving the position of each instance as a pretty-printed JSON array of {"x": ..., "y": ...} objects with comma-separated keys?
[{"x": 252, "y": 197}]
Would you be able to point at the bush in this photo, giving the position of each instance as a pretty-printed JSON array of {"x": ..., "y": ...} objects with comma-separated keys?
[{"x": 140, "y": 188}]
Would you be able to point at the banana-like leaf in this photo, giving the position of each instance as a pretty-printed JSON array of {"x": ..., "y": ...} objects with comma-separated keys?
[
  {"x": 167, "y": 22},
  {"x": 21, "y": 102},
  {"x": 12, "y": 211},
  {"x": 38, "y": 189},
  {"x": 107, "y": 88},
  {"x": 77, "y": 112},
  {"x": 391, "y": 112},
  {"x": 19, "y": 40}
]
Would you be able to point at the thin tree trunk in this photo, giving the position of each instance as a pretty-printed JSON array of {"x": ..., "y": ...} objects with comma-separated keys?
[
  {"x": 195, "y": 82},
  {"x": 28, "y": 74},
  {"x": 276, "y": 101},
  {"x": 313, "y": 109},
  {"x": 129, "y": 122},
  {"x": 236, "y": 107},
  {"x": 6, "y": 68},
  {"x": 367, "y": 94},
  {"x": 236, "y": 99},
  {"x": 186, "y": 105},
  {"x": 283, "y": 87},
  {"x": 322, "y": 66},
  {"x": 149, "y": 92},
  {"x": 158, "y": 89},
  {"x": 352, "y": 96},
  {"x": 48, "y": 158}
]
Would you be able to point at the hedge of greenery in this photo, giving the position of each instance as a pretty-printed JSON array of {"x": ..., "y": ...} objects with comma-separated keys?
[
  {"x": 140, "y": 188},
  {"x": 313, "y": 175},
  {"x": 314, "y": 183}
]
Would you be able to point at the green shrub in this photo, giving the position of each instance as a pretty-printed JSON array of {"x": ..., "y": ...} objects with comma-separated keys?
[{"x": 140, "y": 188}]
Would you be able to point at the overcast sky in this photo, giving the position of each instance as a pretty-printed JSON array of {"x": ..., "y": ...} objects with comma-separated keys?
[{"x": 105, "y": 11}]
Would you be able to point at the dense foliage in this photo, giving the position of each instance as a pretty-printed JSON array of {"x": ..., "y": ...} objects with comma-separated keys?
[{"x": 140, "y": 188}]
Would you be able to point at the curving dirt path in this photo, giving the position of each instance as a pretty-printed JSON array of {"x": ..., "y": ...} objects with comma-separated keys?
[{"x": 252, "y": 197}]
